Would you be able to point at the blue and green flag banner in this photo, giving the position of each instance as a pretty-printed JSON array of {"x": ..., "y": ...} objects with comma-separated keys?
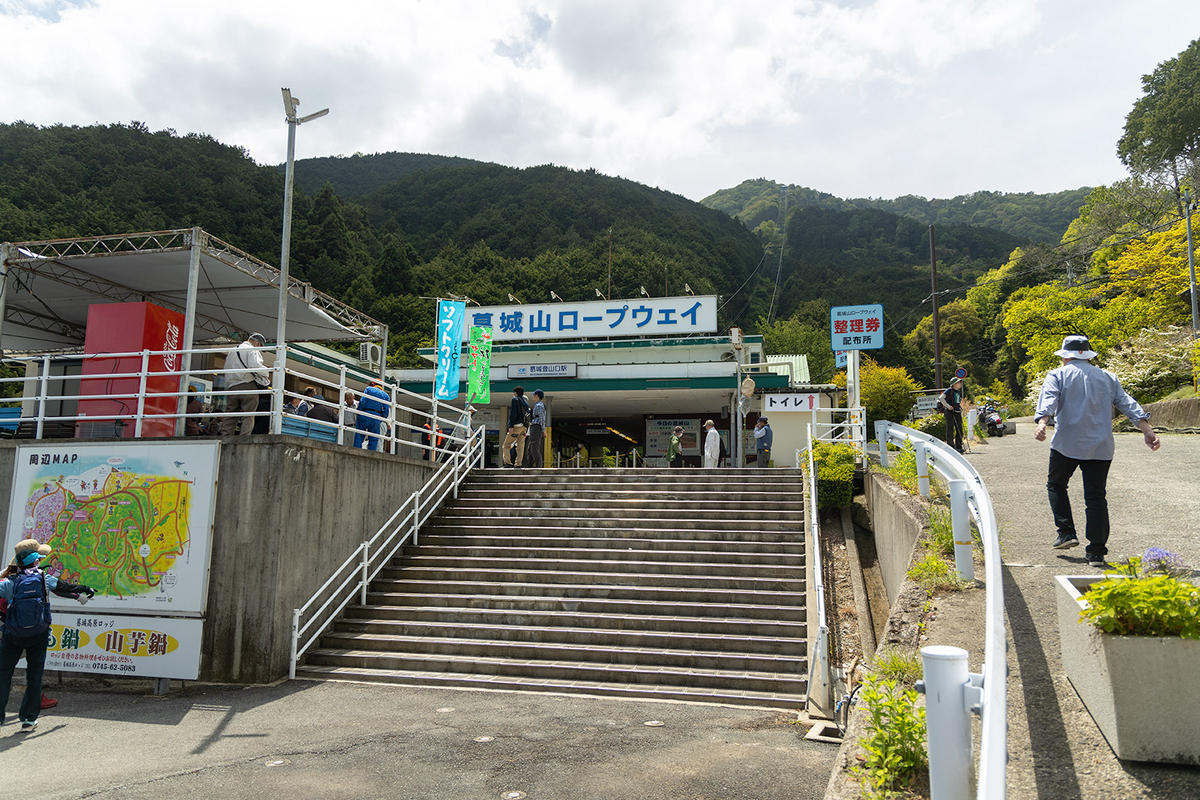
[
  {"x": 479, "y": 366},
  {"x": 449, "y": 343}
]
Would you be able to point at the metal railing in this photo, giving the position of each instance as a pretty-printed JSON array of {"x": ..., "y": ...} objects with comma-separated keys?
[
  {"x": 850, "y": 429},
  {"x": 354, "y": 576},
  {"x": 820, "y": 667},
  {"x": 952, "y": 694},
  {"x": 53, "y": 380}
]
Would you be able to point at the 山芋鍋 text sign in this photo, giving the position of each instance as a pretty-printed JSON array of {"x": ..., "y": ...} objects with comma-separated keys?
[
  {"x": 856, "y": 327},
  {"x": 650, "y": 316},
  {"x": 143, "y": 647}
]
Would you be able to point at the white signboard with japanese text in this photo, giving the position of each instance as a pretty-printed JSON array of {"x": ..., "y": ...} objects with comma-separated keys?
[
  {"x": 791, "y": 401},
  {"x": 649, "y": 316},
  {"x": 131, "y": 520},
  {"x": 856, "y": 327},
  {"x": 658, "y": 436},
  {"x": 524, "y": 372},
  {"x": 143, "y": 647}
]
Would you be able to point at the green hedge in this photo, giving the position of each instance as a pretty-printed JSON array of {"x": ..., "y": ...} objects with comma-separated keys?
[{"x": 835, "y": 474}]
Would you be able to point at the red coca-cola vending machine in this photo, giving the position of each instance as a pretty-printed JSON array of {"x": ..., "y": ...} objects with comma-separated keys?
[{"x": 129, "y": 328}]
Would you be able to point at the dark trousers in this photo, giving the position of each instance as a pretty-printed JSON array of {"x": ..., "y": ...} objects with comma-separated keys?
[
  {"x": 764, "y": 458},
  {"x": 34, "y": 648},
  {"x": 535, "y": 454},
  {"x": 1095, "y": 481},
  {"x": 677, "y": 461},
  {"x": 954, "y": 430}
]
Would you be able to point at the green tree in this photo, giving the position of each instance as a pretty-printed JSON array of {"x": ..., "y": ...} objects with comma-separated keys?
[{"x": 793, "y": 337}]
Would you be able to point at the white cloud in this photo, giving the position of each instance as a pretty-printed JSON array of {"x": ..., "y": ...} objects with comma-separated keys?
[{"x": 876, "y": 97}]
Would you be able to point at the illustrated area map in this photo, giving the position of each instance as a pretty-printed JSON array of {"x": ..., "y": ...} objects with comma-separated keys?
[{"x": 116, "y": 530}]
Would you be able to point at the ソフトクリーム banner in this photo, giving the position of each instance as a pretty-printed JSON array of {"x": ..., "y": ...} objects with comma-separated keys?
[{"x": 131, "y": 520}]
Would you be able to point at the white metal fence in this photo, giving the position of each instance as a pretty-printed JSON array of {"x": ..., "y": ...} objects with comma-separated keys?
[
  {"x": 354, "y": 576},
  {"x": 952, "y": 694},
  {"x": 55, "y": 382},
  {"x": 820, "y": 666}
]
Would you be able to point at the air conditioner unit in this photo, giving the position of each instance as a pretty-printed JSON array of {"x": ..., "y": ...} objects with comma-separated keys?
[{"x": 369, "y": 354}]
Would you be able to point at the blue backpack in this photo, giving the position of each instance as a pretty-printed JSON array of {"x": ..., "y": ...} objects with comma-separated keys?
[{"x": 29, "y": 610}]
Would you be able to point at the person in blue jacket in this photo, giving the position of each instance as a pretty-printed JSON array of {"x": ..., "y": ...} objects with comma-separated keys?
[
  {"x": 372, "y": 409},
  {"x": 25, "y": 591}
]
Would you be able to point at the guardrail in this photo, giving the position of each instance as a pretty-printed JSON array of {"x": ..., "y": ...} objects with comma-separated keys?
[
  {"x": 820, "y": 667},
  {"x": 137, "y": 396},
  {"x": 370, "y": 557},
  {"x": 952, "y": 693}
]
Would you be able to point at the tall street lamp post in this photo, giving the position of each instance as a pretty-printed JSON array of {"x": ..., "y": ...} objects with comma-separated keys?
[{"x": 289, "y": 105}]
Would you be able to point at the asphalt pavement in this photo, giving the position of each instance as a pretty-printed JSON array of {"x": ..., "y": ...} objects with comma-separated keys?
[
  {"x": 343, "y": 740},
  {"x": 1055, "y": 749}
]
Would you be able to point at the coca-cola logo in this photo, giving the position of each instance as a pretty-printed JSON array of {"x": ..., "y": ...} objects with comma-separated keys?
[{"x": 170, "y": 342}]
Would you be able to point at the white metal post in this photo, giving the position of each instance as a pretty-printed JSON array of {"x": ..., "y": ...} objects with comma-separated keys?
[
  {"x": 881, "y": 436},
  {"x": 43, "y": 390},
  {"x": 366, "y": 570},
  {"x": 456, "y": 474},
  {"x": 295, "y": 643},
  {"x": 960, "y": 516},
  {"x": 189, "y": 328},
  {"x": 141, "y": 399},
  {"x": 947, "y": 722},
  {"x": 341, "y": 400},
  {"x": 277, "y": 391},
  {"x": 416, "y": 525},
  {"x": 922, "y": 469}
]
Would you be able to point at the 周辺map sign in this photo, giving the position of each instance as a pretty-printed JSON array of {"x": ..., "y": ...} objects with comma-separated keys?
[
  {"x": 131, "y": 520},
  {"x": 649, "y": 316},
  {"x": 450, "y": 333},
  {"x": 479, "y": 366},
  {"x": 856, "y": 327}
]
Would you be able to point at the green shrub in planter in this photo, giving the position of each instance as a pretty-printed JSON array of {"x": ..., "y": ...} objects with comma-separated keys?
[
  {"x": 835, "y": 474},
  {"x": 1134, "y": 603}
]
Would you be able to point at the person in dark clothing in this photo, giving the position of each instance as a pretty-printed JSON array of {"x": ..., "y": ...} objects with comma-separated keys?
[
  {"x": 518, "y": 408},
  {"x": 27, "y": 626},
  {"x": 952, "y": 400},
  {"x": 321, "y": 412}
]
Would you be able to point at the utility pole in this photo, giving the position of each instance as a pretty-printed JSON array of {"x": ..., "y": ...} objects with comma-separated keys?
[{"x": 937, "y": 330}]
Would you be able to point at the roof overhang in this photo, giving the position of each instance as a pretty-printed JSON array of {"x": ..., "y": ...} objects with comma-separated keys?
[{"x": 52, "y": 283}]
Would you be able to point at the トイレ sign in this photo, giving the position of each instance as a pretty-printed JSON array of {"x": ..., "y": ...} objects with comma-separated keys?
[
  {"x": 649, "y": 316},
  {"x": 791, "y": 401},
  {"x": 856, "y": 327}
]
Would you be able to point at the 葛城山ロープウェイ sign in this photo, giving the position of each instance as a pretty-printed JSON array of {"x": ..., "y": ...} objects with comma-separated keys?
[
  {"x": 856, "y": 327},
  {"x": 650, "y": 316}
]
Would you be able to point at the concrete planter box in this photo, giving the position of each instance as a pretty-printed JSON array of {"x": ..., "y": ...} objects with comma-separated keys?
[{"x": 1140, "y": 690}]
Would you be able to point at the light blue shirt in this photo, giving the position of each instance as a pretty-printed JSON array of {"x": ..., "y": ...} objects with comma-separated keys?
[{"x": 1080, "y": 397}]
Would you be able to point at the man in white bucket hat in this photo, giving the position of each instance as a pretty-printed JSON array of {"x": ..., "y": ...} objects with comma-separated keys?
[{"x": 1080, "y": 397}]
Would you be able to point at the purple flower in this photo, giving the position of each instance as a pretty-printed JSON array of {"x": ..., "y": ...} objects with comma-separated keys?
[{"x": 1164, "y": 562}]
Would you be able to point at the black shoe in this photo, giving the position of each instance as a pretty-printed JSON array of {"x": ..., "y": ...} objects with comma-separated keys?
[
  {"x": 1065, "y": 542},
  {"x": 1096, "y": 561}
]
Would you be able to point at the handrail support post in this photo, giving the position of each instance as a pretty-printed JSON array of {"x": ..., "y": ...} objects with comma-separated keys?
[
  {"x": 960, "y": 519},
  {"x": 948, "y": 722}
]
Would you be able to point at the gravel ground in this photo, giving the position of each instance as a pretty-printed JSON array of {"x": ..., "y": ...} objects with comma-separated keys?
[{"x": 1055, "y": 749}]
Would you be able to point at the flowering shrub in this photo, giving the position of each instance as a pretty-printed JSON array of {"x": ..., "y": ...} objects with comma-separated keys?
[{"x": 1140, "y": 600}]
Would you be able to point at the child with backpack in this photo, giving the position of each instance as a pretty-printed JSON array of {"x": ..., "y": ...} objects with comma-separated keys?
[{"x": 26, "y": 590}]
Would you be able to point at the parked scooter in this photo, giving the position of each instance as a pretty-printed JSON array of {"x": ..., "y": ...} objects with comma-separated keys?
[{"x": 991, "y": 418}]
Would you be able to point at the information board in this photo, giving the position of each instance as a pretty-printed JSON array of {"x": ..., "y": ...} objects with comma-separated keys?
[
  {"x": 658, "y": 436},
  {"x": 131, "y": 520}
]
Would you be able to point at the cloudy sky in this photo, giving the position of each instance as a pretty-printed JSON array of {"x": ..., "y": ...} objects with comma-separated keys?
[{"x": 854, "y": 97}]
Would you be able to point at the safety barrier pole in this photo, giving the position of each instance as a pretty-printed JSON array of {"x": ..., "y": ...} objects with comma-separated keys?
[
  {"x": 295, "y": 644},
  {"x": 948, "y": 692},
  {"x": 960, "y": 517},
  {"x": 922, "y": 469},
  {"x": 881, "y": 428},
  {"x": 366, "y": 570}
]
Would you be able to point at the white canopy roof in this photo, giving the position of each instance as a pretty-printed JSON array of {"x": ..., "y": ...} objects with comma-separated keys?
[{"x": 51, "y": 284}]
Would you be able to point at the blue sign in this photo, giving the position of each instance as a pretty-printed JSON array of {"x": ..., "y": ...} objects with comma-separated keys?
[
  {"x": 856, "y": 327},
  {"x": 449, "y": 345}
]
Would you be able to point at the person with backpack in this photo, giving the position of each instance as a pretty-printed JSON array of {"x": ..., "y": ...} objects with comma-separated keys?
[
  {"x": 26, "y": 590},
  {"x": 520, "y": 417}
]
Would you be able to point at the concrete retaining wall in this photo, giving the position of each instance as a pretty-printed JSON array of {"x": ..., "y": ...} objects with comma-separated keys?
[
  {"x": 1175, "y": 414},
  {"x": 288, "y": 512},
  {"x": 897, "y": 519}
]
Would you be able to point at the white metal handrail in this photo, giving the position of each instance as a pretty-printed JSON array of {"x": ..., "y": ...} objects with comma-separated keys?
[
  {"x": 49, "y": 388},
  {"x": 985, "y": 693},
  {"x": 820, "y": 668},
  {"x": 371, "y": 556}
]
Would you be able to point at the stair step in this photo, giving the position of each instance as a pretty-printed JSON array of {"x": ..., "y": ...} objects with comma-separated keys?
[
  {"x": 757, "y": 530},
  {"x": 567, "y": 591},
  {"x": 586, "y": 619},
  {"x": 589, "y": 638},
  {"x": 598, "y": 579},
  {"x": 793, "y": 681},
  {"x": 750, "y": 611},
  {"x": 578, "y": 553},
  {"x": 750, "y": 699},
  {"x": 643, "y": 544},
  {"x": 781, "y": 567}
]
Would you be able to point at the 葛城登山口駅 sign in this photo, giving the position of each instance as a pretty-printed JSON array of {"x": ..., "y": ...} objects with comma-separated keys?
[
  {"x": 856, "y": 327},
  {"x": 650, "y": 316},
  {"x": 131, "y": 520},
  {"x": 524, "y": 372}
]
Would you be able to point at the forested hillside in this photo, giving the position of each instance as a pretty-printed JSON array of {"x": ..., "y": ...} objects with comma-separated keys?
[
  {"x": 353, "y": 176},
  {"x": 1028, "y": 216}
]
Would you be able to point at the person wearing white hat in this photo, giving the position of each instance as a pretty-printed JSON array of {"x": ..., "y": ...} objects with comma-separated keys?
[{"x": 1080, "y": 397}]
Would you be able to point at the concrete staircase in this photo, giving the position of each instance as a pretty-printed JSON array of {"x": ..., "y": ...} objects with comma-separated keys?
[{"x": 679, "y": 584}]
